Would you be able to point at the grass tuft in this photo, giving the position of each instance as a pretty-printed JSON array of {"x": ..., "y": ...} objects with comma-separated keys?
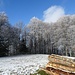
[{"x": 40, "y": 72}]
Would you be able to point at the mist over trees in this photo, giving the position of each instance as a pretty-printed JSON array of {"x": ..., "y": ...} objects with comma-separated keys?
[{"x": 37, "y": 37}]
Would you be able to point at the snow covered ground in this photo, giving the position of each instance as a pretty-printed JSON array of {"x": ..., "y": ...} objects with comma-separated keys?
[{"x": 22, "y": 65}]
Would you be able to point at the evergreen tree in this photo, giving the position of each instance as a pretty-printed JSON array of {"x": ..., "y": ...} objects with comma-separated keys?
[
  {"x": 3, "y": 47},
  {"x": 22, "y": 47}
]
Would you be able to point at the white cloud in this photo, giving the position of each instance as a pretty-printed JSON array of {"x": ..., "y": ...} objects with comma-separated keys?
[{"x": 53, "y": 13}]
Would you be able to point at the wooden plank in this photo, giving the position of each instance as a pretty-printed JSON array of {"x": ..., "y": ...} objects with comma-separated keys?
[
  {"x": 63, "y": 60},
  {"x": 52, "y": 71},
  {"x": 49, "y": 72},
  {"x": 61, "y": 67}
]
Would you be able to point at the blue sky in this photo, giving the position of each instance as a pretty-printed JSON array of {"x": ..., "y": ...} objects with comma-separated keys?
[{"x": 46, "y": 10}]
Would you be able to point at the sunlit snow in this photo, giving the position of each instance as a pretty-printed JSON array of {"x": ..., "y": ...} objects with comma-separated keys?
[{"x": 22, "y": 65}]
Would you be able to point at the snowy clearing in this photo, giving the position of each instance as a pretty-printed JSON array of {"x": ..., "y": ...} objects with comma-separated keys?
[{"x": 22, "y": 65}]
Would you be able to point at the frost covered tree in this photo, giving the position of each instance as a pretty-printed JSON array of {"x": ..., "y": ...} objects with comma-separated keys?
[
  {"x": 52, "y": 37},
  {"x": 38, "y": 36},
  {"x": 4, "y": 31},
  {"x": 21, "y": 36},
  {"x": 37, "y": 30}
]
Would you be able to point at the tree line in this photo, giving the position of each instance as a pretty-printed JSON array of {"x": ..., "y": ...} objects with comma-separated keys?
[{"x": 37, "y": 37}]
